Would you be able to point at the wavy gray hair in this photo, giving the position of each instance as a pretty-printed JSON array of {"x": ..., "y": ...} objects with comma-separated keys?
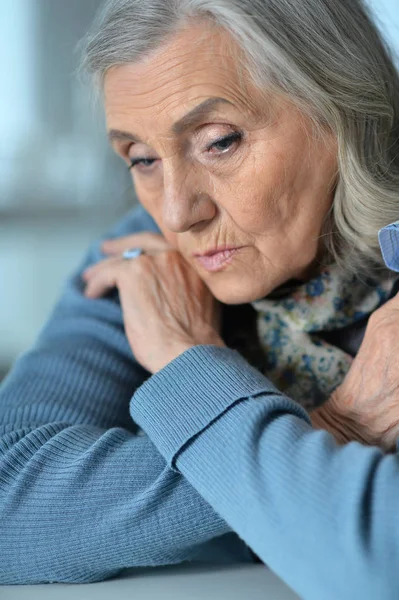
[{"x": 329, "y": 58}]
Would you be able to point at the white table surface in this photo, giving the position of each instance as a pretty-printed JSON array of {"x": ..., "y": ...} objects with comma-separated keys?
[{"x": 176, "y": 582}]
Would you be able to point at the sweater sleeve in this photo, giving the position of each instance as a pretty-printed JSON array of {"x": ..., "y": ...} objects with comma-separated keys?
[
  {"x": 323, "y": 517},
  {"x": 83, "y": 493}
]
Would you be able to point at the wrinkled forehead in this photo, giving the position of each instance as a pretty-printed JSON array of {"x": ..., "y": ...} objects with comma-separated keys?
[
  {"x": 197, "y": 51},
  {"x": 177, "y": 76}
]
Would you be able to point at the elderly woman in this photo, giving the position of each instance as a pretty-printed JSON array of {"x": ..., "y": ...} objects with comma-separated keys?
[{"x": 211, "y": 385}]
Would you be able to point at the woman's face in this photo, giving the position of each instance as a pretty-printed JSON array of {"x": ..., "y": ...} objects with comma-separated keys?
[{"x": 242, "y": 171}]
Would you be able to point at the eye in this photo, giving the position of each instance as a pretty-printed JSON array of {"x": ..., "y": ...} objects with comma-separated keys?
[
  {"x": 143, "y": 163},
  {"x": 225, "y": 142}
]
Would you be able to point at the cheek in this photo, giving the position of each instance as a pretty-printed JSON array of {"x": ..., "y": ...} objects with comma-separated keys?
[
  {"x": 150, "y": 200},
  {"x": 263, "y": 187},
  {"x": 258, "y": 204},
  {"x": 148, "y": 195}
]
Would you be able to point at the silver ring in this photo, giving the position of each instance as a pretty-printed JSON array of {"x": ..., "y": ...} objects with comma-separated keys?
[{"x": 132, "y": 253}]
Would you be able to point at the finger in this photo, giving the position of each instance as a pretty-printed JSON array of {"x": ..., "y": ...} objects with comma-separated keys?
[
  {"x": 147, "y": 240},
  {"x": 94, "y": 269},
  {"x": 101, "y": 282}
]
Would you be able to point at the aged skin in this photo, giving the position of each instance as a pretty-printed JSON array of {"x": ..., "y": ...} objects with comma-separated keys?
[{"x": 267, "y": 188}]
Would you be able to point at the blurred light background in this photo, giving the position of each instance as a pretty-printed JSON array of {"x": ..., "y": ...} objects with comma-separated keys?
[{"x": 60, "y": 184}]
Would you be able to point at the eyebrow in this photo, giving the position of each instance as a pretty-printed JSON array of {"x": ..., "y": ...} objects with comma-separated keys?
[{"x": 189, "y": 120}]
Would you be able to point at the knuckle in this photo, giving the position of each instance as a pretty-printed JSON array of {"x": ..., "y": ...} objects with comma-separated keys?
[{"x": 165, "y": 256}]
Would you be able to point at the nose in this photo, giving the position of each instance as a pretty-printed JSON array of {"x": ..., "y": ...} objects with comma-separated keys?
[{"x": 185, "y": 202}]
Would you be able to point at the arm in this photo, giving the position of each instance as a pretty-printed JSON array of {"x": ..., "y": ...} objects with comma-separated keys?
[
  {"x": 323, "y": 517},
  {"x": 82, "y": 494}
]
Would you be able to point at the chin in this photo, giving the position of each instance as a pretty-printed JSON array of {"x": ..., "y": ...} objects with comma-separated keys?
[{"x": 239, "y": 294}]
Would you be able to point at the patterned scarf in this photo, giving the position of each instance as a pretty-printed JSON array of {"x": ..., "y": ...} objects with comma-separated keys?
[{"x": 298, "y": 362}]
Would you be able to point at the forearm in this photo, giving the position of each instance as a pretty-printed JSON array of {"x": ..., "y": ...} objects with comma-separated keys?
[
  {"x": 82, "y": 495},
  {"x": 314, "y": 512},
  {"x": 79, "y": 504}
]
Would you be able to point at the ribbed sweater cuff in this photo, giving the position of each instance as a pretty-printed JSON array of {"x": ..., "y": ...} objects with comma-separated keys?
[{"x": 194, "y": 389}]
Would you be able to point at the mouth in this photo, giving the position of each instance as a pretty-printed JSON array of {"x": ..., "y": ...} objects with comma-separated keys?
[
  {"x": 217, "y": 260},
  {"x": 215, "y": 251}
]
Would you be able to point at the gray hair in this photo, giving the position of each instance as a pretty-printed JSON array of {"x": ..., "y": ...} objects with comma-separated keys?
[{"x": 329, "y": 58}]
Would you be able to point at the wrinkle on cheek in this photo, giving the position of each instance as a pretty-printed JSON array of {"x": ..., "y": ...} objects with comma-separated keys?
[{"x": 259, "y": 203}]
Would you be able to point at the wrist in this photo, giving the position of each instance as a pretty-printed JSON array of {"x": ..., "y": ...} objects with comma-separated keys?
[
  {"x": 371, "y": 423},
  {"x": 337, "y": 421},
  {"x": 208, "y": 337},
  {"x": 180, "y": 347}
]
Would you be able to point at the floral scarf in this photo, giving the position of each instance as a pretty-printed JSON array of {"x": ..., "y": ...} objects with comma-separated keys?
[{"x": 296, "y": 359}]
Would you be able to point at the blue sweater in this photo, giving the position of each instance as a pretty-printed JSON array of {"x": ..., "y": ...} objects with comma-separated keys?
[{"x": 104, "y": 466}]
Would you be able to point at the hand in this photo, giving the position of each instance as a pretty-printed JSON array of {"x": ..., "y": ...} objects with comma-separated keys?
[
  {"x": 365, "y": 407},
  {"x": 166, "y": 306}
]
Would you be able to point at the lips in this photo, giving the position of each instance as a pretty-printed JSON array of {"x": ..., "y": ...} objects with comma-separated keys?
[
  {"x": 218, "y": 260},
  {"x": 216, "y": 251}
]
